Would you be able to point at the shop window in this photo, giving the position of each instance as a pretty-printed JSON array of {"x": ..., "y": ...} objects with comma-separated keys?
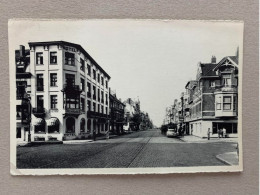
[
  {"x": 54, "y": 129},
  {"x": 70, "y": 125},
  {"x": 82, "y": 125}
]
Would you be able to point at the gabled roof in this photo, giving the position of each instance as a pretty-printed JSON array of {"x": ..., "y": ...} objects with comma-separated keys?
[
  {"x": 71, "y": 45},
  {"x": 232, "y": 59}
]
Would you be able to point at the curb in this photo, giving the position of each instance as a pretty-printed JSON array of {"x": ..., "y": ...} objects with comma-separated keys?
[{"x": 223, "y": 160}]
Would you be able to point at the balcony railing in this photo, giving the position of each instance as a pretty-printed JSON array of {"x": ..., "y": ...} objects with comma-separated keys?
[
  {"x": 38, "y": 112},
  {"x": 73, "y": 111},
  {"x": 223, "y": 88}
]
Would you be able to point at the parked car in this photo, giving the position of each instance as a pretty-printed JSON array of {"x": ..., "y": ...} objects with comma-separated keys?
[{"x": 171, "y": 133}]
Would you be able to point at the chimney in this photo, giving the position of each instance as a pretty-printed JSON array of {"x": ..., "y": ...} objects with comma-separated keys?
[
  {"x": 213, "y": 60},
  {"x": 22, "y": 51}
]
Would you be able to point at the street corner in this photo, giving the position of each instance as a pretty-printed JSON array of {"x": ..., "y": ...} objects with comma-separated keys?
[{"x": 229, "y": 158}]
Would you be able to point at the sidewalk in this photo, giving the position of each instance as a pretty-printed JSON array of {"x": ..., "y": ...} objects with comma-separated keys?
[
  {"x": 230, "y": 158},
  {"x": 195, "y": 139},
  {"x": 103, "y": 137}
]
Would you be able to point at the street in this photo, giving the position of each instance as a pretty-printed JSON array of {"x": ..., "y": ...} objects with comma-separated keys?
[{"x": 139, "y": 149}]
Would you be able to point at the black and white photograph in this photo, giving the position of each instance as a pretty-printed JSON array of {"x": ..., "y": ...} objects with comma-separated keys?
[{"x": 123, "y": 96}]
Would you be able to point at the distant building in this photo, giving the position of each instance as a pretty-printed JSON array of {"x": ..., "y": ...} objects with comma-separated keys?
[
  {"x": 69, "y": 92},
  {"x": 117, "y": 119}
]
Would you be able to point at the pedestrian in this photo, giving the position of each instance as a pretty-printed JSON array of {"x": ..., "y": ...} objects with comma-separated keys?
[
  {"x": 94, "y": 135},
  {"x": 208, "y": 133},
  {"x": 224, "y": 131}
]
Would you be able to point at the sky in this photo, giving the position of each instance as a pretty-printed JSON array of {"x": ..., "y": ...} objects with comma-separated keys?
[{"x": 147, "y": 59}]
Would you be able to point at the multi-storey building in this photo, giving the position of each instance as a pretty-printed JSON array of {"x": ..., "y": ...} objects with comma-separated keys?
[
  {"x": 23, "y": 90},
  {"x": 117, "y": 119},
  {"x": 69, "y": 92},
  {"x": 212, "y": 98}
]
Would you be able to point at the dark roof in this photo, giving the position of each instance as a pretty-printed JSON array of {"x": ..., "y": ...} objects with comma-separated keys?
[
  {"x": 72, "y": 45},
  {"x": 191, "y": 82},
  {"x": 207, "y": 69}
]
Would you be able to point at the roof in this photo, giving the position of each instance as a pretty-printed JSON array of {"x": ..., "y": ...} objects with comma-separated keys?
[
  {"x": 191, "y": 82},
  {"x": 79, "y": 47},
  {"x": 232, "y": 58},
  {"x": 207, "y": 69}
]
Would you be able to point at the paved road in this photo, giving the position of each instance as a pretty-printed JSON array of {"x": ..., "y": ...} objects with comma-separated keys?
[{"x": 139, "y": 149}]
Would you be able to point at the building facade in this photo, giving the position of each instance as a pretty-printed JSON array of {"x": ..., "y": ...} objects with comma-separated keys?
[
  {"x": 69, "y": 92},
  {"x": 117, "y": 119},
  {"x": 212, "y": 98},
  {"x": 23, "y": 90}
]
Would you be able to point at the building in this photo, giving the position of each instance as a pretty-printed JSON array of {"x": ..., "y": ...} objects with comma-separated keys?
[
  {"x": 69, "y": 92},
  {"x": 212, "y": 98},
  {"x": 23, "y": 90},
  {"x": 117, "y": 119},
  {"x": 132, "y": 109}
]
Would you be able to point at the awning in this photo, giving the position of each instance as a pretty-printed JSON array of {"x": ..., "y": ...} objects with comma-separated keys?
[
  {"x": 38, "y": 122},
  {"x": 52, "y": 122}
]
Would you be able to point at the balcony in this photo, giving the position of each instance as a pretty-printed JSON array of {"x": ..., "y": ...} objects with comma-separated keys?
[
  {"x": 38, "y": 112},
  {"x": 226, "y": 88},
  {"x": 71, "y": 88},
  {"x": 73, "y": 112}
]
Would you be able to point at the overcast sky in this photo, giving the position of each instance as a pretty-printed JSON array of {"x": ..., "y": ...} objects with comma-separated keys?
[{"x": 149, "y": 59}]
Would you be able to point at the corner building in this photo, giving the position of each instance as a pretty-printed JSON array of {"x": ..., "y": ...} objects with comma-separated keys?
[
  {"x": 69, "y": 92},
  {"x": 212, "y": 98}
]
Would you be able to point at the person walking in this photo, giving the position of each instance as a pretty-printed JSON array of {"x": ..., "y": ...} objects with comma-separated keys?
[
  {"x": 94, "y": 135},
  {"x": 208, "y": 133}
]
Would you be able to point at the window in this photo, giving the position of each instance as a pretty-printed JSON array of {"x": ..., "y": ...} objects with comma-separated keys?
[
  {"x": 94, "y": 92},
  {"x": 53, "y": 101},
  {"x": 98, "y": 105},
  {"x": 226, "y": 80},
  {"x": 106, "y": 100},
  {"x": 40, "y": 102},
  {"x": 18, "y": 132},
  {"x": 89, "y": 70},
  {"x": 82, "y": 81},
  {"x": 102, "y": 96},
  {"x": 106, "y": 111},
  {"x": 53, "y": 57},
  {"x": 82, "y": 104},
  {"x": 89, "y": 89},
  {"x": 18, "y": 112},
  {"x": 94, "y": 106},
  {"x": 212, "y": 83},
  {"x": 82, "y": 125},
  {"x": 69, "y": 58},
  {"x": 102, "y": 110},
  {"x": 218, "y": 103},
  {"x": 98, "y": 78},
  {"x": 53, "y": 79},
  {"x": 39, "y": 82},
  {"x": 70, "y": 79},
  {"x": 82, "y": 65},
  {"x": 94, "y": 74},
  {"x": 234, "y": 103},
  {"x": 227, "y": 103},
  {"x": 99, "y": 95},
  {"x": 102, "y": 81},
  {"x": 39, "y": 58},
  {"x": 89, "y": 105},
  {"x": 106, "y": 84}
]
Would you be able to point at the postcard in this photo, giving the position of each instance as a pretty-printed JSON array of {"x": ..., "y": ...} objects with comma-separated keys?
[{"x": 125, "y": 96}]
